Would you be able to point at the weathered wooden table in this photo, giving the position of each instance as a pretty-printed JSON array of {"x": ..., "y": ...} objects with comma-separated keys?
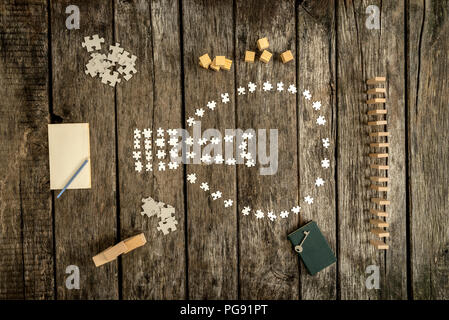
[{"x": 217, "y": 253}]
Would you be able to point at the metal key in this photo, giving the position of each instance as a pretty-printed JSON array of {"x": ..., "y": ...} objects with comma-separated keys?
[{"x": 298, "y": 248}]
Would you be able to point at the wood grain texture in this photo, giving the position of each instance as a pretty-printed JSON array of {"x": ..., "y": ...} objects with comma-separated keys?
[
  {"x": 211, "y": 228},
  {"x": 150, "y": 99},
  {"x": 428, "y": 62},
  {"x": 391, "y": 64},
  {"x": 266, "y": 272},
  {"x": 316, "y": 72},
  {"x": 26, "y": 243},
  {"x": 363, "y": 54},
  {"x": 218, "y": 253},
  {"x": 85, "y": 220}
]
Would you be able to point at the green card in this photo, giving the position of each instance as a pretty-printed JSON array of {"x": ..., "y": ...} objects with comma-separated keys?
[{"x": 312, "y": 247}]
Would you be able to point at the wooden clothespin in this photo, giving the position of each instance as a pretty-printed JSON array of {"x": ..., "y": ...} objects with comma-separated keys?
[{"x": 125, "y": 246}]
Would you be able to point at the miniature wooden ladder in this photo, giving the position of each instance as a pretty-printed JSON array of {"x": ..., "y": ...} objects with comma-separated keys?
[{"x": 379, "y": 154}]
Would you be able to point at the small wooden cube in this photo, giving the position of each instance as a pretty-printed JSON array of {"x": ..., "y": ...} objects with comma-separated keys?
[
  {"x": 228, "y": 64},
  {"x": 220, "y": 61},
  {"x": 286, "y": 56},
  {"x": 249, "y": 56},
  {"x": 214, "y": 66},
  {"x": 265, "y": 56},
  {"x": 205, "y": 61},
  {"x": 262, "y": 44}
]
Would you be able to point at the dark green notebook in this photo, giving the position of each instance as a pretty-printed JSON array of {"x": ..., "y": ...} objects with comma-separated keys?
[{"x": 314, "y": 250}]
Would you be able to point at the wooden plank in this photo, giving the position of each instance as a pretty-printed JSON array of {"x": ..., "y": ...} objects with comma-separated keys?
[
  {"x": 428, "y": 153},
  {"x": 26, "y": 236},
  {"x": 85, "y": 220},
  {"x": 362, "y": 54},
  {"x": 268, "y": 265},
  {"x": 316, "y": 51},
  {"x": 152, "y": 98},
  {"x": 211, "y": 228}
]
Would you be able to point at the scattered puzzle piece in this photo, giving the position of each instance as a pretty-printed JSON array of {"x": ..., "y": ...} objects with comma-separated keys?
[
  {"x": 151, "y": 207},
  {"x": 110, "y": 78},
  {"x": 167, "y": 226},
  {"x": 92, "y": 43}
]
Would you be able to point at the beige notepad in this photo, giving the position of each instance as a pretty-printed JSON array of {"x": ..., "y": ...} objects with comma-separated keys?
[{"x": 69, "y": 147}]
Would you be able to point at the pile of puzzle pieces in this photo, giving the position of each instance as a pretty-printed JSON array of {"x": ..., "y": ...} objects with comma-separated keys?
[
  {"x": 109, "y": 66},
  {"x": 165, "y": 213}
]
